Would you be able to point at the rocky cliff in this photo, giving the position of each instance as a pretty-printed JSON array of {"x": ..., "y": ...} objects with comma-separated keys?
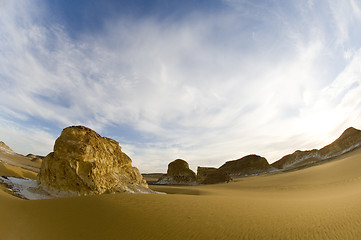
[
  {"x": 85, "y": 163},
  {"x": 348, "y": 141}
]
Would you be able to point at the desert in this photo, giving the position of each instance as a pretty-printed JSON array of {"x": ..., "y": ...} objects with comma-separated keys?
[
  {"x": 191, "y": 119},
  {"x": 321, "y": 201}
]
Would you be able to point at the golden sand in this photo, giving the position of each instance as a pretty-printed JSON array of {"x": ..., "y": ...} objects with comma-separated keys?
[
  {"x": 20, "y": 161},
  {"x": 13, "y": 171},
  {"x": 321, "y": 202}
]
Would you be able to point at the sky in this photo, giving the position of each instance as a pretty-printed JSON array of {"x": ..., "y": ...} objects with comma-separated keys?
[{"x": 207, "y": 81}]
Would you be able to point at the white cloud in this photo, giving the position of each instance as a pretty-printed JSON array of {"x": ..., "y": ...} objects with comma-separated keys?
[
  {"x": 24, "y": 140},
  {"x": 191, "y": 91},
  {"x": 346, "y": 16}
]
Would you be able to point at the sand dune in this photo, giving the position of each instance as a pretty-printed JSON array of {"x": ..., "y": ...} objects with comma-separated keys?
[
  {"x": 18, "y": 160},
  {"x": 13, "y": 171},
  {"x": 321, "y": 202}
]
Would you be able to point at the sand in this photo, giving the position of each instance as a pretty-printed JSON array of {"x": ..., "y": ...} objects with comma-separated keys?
[
  {"x": 321, "y": 202},
  {"x": 20, "y": 161},
  {"x": 13, "y": 171}
]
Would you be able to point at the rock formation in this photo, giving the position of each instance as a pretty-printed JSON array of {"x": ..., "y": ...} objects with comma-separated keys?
[
  {"x": 5, "y": 148},
  {"x": 296, "y": 159},
  {"x": 348, "y": 141},
  {"x": 34, "y": 158},
  {"x": 178, "y": 173},
  {"x": 85, "y": 163},
  {"x": 203, "y": 172},
  {"x": 210, "y": 175},
  {"x": 248, "y": 165}
]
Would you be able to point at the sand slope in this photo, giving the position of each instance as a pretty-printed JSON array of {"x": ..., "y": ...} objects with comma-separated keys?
[
  {"x": 18, "y": 160},
  {"x": 13, "y": 171},
  {"x": 322, "y": 202}
]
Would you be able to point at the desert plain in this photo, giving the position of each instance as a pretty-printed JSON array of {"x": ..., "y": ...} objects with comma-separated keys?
[{"x": 318, "y": 202}]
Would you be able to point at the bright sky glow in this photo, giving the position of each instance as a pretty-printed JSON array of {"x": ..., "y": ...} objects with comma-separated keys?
[{"x": 206, "y": 81}]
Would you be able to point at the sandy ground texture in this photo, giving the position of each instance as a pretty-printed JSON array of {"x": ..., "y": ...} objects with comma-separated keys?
[{"x": 321, "y": 202}]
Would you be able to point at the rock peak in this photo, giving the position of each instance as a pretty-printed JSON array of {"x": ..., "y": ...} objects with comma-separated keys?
[
  {"x": 348, "y": 132},
  {"x": 349, "y": 140},
  {"x": 5, "y": 147}
]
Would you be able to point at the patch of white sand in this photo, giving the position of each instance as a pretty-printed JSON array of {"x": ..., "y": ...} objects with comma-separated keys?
[
  {"x": 29, "y": 189},
  {"x": 25, "y": 188}
]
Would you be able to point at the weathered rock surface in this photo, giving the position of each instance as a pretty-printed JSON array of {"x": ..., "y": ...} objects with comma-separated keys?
[
  {"x": 85, "y": 163},
  {"x": 203, "y": 172},
  {"x": 178, "y": 173},
  {"x": 348, "y": 141},
  {"x": 210, "y": 175},
  {"x": 248, "y": 165}
]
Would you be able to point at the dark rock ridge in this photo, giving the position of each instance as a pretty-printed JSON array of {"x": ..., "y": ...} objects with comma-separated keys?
[
  {"x": 85, "y": 163},
  {"x": 248, "y": 165},
  {"x": 348, "y": 141},
  {"x": 203, "y": 172},
  {"x": 178, "y": 173}
]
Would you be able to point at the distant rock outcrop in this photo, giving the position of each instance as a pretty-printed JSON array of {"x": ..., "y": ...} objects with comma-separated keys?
[
  {"x": 348, "y": 141},
  {"x": 296, "y": 159},
  {"x": 85, "y": 163},
  {"x": 178, "y": 173},
  {"x": 248, "y": 165},
  {"x": 203, "y": 172},
  {"x": 5, "y": 148},
  {"x": 35, "y": 158},
  {"x": 210, "y": 175}
]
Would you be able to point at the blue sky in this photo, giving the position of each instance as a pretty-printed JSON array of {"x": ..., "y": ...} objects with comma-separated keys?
[{"x": 206, "y": 81}]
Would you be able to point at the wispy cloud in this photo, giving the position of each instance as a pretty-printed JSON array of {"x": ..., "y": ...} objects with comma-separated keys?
[
  {"x": 207, "y": 88},
  {"x": 23, "y": 139}
]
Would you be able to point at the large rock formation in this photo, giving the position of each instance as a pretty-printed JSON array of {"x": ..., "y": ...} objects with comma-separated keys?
[
  {"x": 348, "y": 141},
  {"x": 84, "y": 163},
  {"x": 210, "y": 175},
  {"x": 178, "y": 173},
  {"x": 248, "y": 165}
]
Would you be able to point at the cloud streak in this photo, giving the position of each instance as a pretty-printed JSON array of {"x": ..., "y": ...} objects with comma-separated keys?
[{"x": 207, "y": 87}]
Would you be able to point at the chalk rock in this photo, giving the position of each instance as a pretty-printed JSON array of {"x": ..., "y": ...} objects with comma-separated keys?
[
  {"x": 248, "y": 165},
  {"x": 85, "y": 163},
  {"x": 210, "y": 175},
  {"x": 203, "y": 172},
  {"x": 178, "y": 172},
  {"x": 348, "y": 141},
  {"x": 5, "y": 148}
]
